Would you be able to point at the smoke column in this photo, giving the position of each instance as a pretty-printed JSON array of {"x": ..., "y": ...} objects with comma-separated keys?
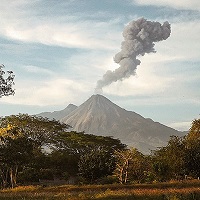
[{"x": 139, "y": 37}]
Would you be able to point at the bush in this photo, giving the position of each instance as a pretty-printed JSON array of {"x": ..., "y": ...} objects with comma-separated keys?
[{"x": 107, "y": 180}]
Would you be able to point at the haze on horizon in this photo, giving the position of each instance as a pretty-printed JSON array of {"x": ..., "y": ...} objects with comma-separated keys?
[{"x": 59, "y": 50}]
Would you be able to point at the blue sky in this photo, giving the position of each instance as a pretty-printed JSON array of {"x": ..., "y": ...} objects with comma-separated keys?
[{"x": 59, "y": 49}]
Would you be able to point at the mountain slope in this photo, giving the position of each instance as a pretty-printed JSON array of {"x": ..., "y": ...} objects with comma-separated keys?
[
  {"x": 99, "y": 116},
  {"x": 58, "y": 114}
]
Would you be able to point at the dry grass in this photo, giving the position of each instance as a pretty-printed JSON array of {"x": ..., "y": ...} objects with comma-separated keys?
[{"x": 158, "y": 191}]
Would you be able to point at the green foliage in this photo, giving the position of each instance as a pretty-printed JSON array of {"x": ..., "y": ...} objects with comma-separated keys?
[
  {"x": 63, "y": 164},
  {"x": 42, "y": 130},
  {"x": 130, "y": 165},
  {"x": 15, "y": 152},
  {"x": 161, "y": 169},
  {"x": 195, "y": 129},
  {"x": 180, "y": 157},
  {"x": 192, "y": 149},
  {"x": 168, "y": 162},
  {"x": 192, "y": 161},
  {"x": 28, "y": 175},
  {"x": 91, "y": 155},
  {"x": 192, "y": 146},
  {"x": 95, "y": 164},
  {"x": 24, "y": 138},
  {"x": 79, "y": 143}
]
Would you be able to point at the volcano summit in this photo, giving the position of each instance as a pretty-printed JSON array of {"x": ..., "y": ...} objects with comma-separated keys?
[{"x": 99, "y": 116}]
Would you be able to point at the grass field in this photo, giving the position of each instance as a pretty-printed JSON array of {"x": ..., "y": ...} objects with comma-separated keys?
[{"x": 159, "y": 191}]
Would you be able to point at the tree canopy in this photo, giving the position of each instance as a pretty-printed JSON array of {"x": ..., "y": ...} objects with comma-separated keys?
[
  {"x": 42, "y": 130},
  {"x": 192, "y": 146},
  {"x": 90, "y": 158},
  {"x": 23, "y": 152}
]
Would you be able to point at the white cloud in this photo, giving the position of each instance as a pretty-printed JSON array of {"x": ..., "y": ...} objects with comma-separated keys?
[
  {"x": 160, "y": 78},
  {"x": 182, "y": 4},
  {"x": 146, "y": 82},
  {"x": 91, "y": 65},
  {"x": 36, "y": 70},
  {"x": 181, "y": 126},
  {"x": 21, "y": 25},
  {"x": 160, "y": 84},
  {"x": 44, "y": 93},
  {"x": 183, "y": 41}
]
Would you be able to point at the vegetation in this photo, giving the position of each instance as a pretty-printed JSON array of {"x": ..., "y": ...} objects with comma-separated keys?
[
  {"x": 6, "y": 83},
  {"x": 158, "y": 191},
  {"x": 39, "y": 151},
  {"x": 130, "y": 165},
  {"x": 22, "y": 140},
  {"x": 35, "y": 148},
  {"x": 192, "y": 149}
]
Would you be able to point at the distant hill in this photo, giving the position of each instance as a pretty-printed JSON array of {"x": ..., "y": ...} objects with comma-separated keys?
[
  {"x": 99, "y": 116},
  {"x": 58, "y": 114}
]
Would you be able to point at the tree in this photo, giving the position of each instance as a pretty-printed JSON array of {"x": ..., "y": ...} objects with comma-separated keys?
[
  {"x": 41, "y": 130},
  {"x": 6, "y": 83},
  {"x": 96, "y": 163},
  {"x": 192, "y": 149},
  {"x": 169, "y": 160},
  {"x": 130, "y": 165},
  {"x": 161, "y": 170},
  {"x": 22, "y": 142},
  {"x": 123, "y": 158},
  {"x": 194, "y": 133},
  {"x": 139, "y": 167},
  {"x": 16, "y": 151},
  {"x": 93, "y": 154},
  {"x": 63, "y": 164},
  {"x": 78, "y": 143},
  {"x": 175, "y": 152}
]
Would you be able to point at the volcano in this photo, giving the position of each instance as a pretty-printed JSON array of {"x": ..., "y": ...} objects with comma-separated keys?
[
  {"x": 99, "y": 116},
  {"x": 58, "y": 114}
]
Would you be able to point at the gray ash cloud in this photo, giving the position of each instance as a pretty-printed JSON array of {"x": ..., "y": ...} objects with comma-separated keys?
[{"x": 139, "y": 38}]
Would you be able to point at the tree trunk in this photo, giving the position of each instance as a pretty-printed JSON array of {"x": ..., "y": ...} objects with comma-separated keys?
[
  {"x": 11, "y": 178},
  {"x": 15, "y": 176},
  {"x": 126, "y": 176},
  {"x": 126, "y": 172},
  {"x": 121, "y": 176},
  {"x": 4, "y": 176}
]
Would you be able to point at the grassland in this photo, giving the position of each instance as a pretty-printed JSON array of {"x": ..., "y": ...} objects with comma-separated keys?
[{"x": 189, "y": 190}]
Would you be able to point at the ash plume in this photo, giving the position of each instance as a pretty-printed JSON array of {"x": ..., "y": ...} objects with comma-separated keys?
[{"x": 139, "y": 38}]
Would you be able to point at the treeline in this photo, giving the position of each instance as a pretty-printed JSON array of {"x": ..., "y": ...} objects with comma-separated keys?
[{"x": 35, "y": 148}]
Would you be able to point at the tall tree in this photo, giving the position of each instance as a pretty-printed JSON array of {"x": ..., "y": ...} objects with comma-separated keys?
[
  {"x": 194, "y": 133},
  {"x": 169, "y": 160},
  {"x": 192, "y": 146},
  {"x": 94, "y": 154},
  {"x": 77, "y": 143},
  {"x": 22, "y": 139},
  {"x": 96, "y": 163},
  {"x": 130, "y": 165},
  {"x": 6, "y": 83},
  {"x": 16, "y": 151},
  {"x": 123, "y": 158},
  {"x": 42, "y": 130}
]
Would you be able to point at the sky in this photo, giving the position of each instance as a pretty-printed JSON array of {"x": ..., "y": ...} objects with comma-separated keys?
[{"x": 59, "y": 49}]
